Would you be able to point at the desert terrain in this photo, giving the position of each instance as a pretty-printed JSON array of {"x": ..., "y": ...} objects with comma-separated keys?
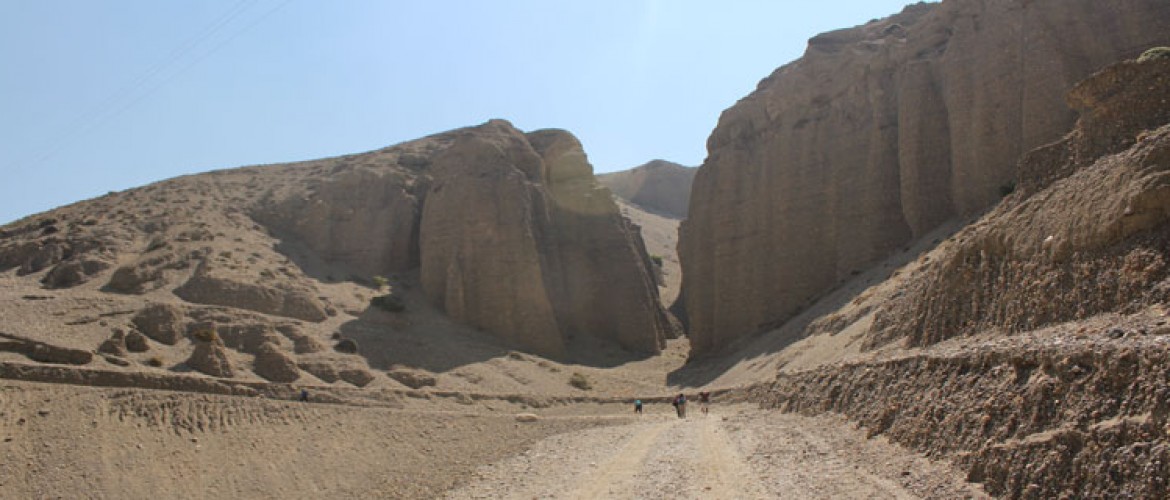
[{"x": 984, "y": 313}]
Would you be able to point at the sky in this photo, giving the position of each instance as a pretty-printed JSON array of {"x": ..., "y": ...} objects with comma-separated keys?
[{"x": 105, "y": 95}]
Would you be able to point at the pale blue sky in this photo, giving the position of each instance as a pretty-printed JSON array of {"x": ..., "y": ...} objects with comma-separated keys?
[{"x": 98, "y": 96}]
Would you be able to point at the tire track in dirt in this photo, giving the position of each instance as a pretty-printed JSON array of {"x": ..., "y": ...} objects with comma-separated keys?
[
  {"x": 750, "y": 455},
  {"x": 617, "y": 474}
]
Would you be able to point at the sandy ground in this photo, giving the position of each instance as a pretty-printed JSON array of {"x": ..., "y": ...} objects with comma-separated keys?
[
  {"x": 730, "y": 453},
  {"x": 61, "y": 441}
]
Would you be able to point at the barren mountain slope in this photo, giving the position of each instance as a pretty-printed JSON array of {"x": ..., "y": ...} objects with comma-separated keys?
[
  {"x": 275, "y": 273},
  {"x": 878, "y": 135},
  {"x": 1030, "y": 346},
  {"x": 658, "y": 186}
]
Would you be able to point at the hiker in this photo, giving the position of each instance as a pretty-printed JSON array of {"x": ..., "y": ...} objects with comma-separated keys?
[
  {"x": 304, "y": 395},
  {"x": 680, "y": 405},
  {"x": 638, "y": 406},
  {"x": 704, "y": 401}
]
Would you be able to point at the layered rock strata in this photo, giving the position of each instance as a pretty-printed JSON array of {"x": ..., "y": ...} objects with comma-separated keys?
[{"x": 876, "y": 136}]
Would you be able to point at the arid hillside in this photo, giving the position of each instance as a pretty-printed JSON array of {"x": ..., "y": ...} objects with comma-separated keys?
[
  {"x": 878, "y": 135},
  {"x": 658, "y": 186},
  {"x": 931, "y": 259},
  {"x": 426, "y": 256},
  {"x": 1029, "y": 346}
]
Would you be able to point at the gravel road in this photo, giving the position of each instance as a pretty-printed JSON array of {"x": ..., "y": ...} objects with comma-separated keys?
[{"x": 733, "y": 453}]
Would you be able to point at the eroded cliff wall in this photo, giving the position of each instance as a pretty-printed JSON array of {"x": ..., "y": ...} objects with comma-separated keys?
[
  {"x": 509, "y": 232},
  {"x": 877, "y": 135},
  {"x": 1086, "y": 235}
]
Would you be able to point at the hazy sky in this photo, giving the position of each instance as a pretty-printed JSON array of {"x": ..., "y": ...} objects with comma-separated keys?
[{"x": 102, "y": 95}]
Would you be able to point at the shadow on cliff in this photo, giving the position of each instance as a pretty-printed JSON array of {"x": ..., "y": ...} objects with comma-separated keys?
[
  {"x": 426, "y": 339},
  {"x": 753, "y": 350}
]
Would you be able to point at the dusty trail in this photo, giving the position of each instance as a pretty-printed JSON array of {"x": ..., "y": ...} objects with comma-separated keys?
[{"x": 733, "y": 455}]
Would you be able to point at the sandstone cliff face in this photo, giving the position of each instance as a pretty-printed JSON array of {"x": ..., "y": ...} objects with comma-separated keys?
[
  {"x": 518, "y": 239},
  {"x": 877, "y": 135},
  {"x": 509, "y": 232},
  {"x": 505, "y": 231},
  {"x": 1089, "y": 233},
  {"x": 659, "y": 186}
]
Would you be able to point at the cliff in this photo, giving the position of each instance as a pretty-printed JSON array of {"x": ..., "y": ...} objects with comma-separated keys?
[
  {"x": 508, "y": 232},
  {"x": 877, "y": 135},
  {"x": 1087, "y": 233},
  {"x": 482, "y": 229}
]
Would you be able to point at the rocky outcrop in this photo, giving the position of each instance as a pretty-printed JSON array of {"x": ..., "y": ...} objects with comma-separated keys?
[
  {"x": 517, "y": 238},
  {"x": 362, "y": 216},
  {"x": 137, "y": 342},
  {"x": 273, "y": 364},
  {"x": 44, "y": 352},
  {"x": 1082, "y": 238},
  {"x": 1057, "y": 415},
  {"x": 164, "y": 323},
  {"x": 876, "y": 136},
  {"x": 115, "y": 345},
  {"x": 213, "y": 286},
  {"x": 71, "y": 258},
  {"x": 508, "y": 232},
  {"x": 210, "y": 357},
  {"x": 412, "y": 378},
  {"x": 659, "y": 186}
]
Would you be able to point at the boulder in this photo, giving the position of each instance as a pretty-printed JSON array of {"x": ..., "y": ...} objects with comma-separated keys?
[
  {"x": 211, "y": 358},
  {"x": 324, "y": 370},
  {"x": 115, "y": 345},
  {"x": 274, "y": 365},
  {"x": 136, "y": 341},
  {"x": 307, "y": 345},
  {"x": 162, "y": 322},
  {"x": 356, "y": 376},
  {"x": 347, "y": 346},
  {"x": 73, "y": 272},
  {"x": 248, "y": 337},
  {"x": 303, "y": 343},
  {"x": 414, "y": 379}
]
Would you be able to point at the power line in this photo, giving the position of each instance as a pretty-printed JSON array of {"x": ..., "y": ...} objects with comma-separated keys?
[{"x": 140, "y": 88}]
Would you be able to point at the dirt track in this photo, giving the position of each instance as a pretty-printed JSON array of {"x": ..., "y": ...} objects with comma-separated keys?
[{"x": 731, "y": 453}]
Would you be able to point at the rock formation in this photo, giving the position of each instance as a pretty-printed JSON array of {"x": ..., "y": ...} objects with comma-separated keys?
[
  {"x": 876, "y": 136},
  {"x": 161, "y": 322},
  {"x": 210, "y": 357},
  {"x": 508, "y": 232},
  {"x": 517, "y": 238},
  {"x": 659, "y": 186},
  {"x": 1087, "y": 233},
  {"x": 273, "y": 364}
]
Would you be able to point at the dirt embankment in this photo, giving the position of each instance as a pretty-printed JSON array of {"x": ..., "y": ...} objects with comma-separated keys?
[
  {"x": 1079, "y": 410},
  {"x": 1032, "y": 346}
]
